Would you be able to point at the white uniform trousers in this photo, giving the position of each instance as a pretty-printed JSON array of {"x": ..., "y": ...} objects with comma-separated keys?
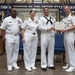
[
  {"x": 30, "y": 49},
  {"x": 12, "y": 48},
  {"x": 69, "y": 48},
  {"x": 47, "y": 42}
]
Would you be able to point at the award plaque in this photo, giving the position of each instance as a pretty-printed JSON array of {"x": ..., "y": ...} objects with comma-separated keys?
[{"x": 59, "y": 26}]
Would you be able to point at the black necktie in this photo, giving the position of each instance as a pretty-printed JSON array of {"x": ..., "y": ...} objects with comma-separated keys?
[{"x": 48, "y": 20}]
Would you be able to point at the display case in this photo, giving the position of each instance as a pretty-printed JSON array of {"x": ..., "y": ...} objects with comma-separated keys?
[{"x": 24, "y": 13}]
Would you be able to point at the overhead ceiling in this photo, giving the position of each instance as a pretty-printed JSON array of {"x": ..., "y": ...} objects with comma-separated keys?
[{"x": 45, "y": 1}]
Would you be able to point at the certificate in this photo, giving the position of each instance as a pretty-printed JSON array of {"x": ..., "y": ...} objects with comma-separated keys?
[{"x": 59, "y": 26}]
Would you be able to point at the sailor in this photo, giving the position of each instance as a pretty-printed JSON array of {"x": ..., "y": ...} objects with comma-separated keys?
[
  {"x": 46, "y": 25},
  {"x": 30, "y": 41},
  {"x": 11, "y": 25},
  {"x": 69, "y": 22}
]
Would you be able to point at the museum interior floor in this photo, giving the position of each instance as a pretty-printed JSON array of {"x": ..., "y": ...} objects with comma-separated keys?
[{"x": 57, "y": 71}]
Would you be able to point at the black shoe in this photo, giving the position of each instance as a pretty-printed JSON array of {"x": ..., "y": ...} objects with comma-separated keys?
[
  {"x": 51, "y": 67},
  {"x": 44, "y": 69}
]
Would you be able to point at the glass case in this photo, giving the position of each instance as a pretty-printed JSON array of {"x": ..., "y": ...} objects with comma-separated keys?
[{"x": 24, "y": 13}]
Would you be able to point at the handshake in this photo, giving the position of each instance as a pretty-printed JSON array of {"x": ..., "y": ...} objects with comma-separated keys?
[{"x": 59, "y": 27}]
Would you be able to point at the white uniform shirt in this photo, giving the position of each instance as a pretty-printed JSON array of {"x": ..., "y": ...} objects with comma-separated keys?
[
  {"x": 11, "y": 25},
  {"x": 69, "y": 21},
  {"x": 44, "y": 27},
  {"x": 30, "y": 26}
]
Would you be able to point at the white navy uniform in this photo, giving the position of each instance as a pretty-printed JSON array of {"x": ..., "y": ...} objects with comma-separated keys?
[
  {"x": 47, "y": 41},
  {"x": 69, "y": 40},
  {"x": 30, "y": 44},
  {"x": 11, "y": 27}
]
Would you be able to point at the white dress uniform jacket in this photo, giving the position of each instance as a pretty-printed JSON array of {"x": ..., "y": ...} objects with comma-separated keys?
[
  {"x": 11, "y": 27},
  {"x": 47, "y": 40},
  {"x": 69, "y": 40},
  {"x": 31, "y": 40}
]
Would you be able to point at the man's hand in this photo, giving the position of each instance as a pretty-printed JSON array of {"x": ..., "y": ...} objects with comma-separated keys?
[
  {"x": 0, "y": 36},
  {"x": 51, "y": 28},
  {"x": 63, "y": 31},
  {"x": 23, "y": 40},
  {"x": 4, "y": 38},
  {"x": 58, "y": 31}
]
